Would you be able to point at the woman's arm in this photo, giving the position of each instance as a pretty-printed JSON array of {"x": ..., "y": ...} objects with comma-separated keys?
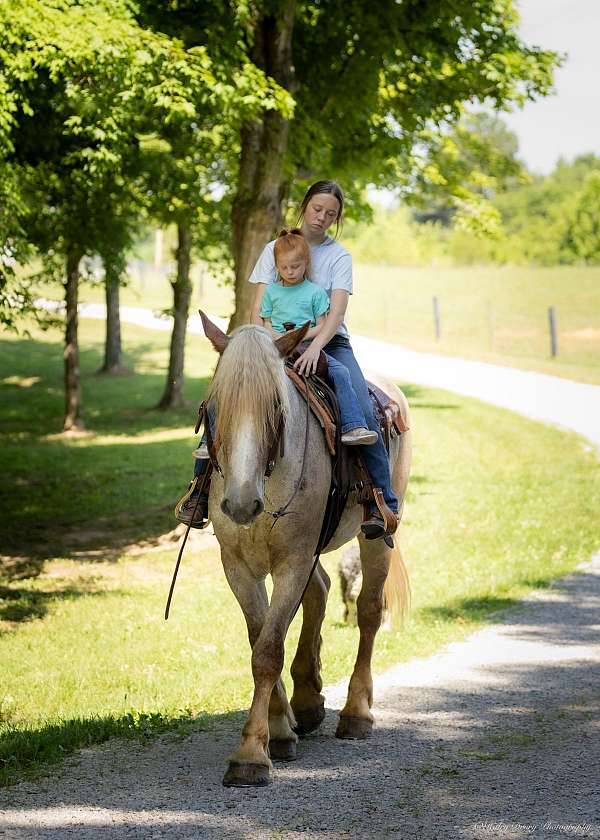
[
  {"x": 256, "y": 303},
  {"x": 307, "y": 363}
]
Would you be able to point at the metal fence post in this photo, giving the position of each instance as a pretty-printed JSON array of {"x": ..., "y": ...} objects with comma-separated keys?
[
  {"x": 437, "y": 318},
  {"x": 491, "y": 319},
  {"x": 553, "y": 338}
]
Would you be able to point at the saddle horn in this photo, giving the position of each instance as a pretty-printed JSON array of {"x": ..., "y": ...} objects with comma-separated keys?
[
  {"x": 217, "y": 337},
  {"x": 287, "y": 343}
]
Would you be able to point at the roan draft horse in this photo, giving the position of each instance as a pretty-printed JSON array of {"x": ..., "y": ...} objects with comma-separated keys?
[{"x": 254, "y": 399}]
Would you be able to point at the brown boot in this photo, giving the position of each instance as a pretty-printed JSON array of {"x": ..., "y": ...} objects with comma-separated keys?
[{"x": 193, "y": 506}]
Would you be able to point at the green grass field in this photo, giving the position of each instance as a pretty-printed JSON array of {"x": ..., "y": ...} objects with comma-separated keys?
[
  {"x": 497, "y": 505},
  {"x": 499, "y": 315}
]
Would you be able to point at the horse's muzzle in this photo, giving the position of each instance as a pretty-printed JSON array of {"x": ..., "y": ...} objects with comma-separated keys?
[{"x": 242, "y": 513}]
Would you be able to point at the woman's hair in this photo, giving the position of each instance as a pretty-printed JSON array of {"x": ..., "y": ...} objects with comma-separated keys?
[
  {"x": 329, "y": 188},
  {"x": 292, "y": 240}
]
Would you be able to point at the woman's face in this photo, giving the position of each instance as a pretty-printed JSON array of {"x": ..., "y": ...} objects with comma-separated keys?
[{"x": 321, "y": 212}]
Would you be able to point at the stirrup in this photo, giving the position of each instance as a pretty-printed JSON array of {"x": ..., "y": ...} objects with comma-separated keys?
[
  {"x": 187, "y": 516},
  {"x": 382, "y": 522}
]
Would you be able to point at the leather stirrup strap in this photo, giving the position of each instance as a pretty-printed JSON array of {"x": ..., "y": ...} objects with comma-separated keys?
[{"x": 390, "y": 520}]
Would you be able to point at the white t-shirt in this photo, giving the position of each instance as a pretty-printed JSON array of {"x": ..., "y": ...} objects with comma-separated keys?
[{"x": 331, "y": 268}]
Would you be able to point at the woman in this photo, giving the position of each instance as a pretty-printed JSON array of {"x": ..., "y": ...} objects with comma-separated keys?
[{"x": 322, "y": 207}]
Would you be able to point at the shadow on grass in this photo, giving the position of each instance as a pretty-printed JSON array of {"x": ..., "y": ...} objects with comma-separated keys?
[
  {"x": 472, "y": 609},
  {"x": 63, "y": 496},
  {"x": 29, "y": 753},
  {"x": 486, "y": 608},
  {"x": 19, "y": 605},
  {"x": 31, "y": 389}
]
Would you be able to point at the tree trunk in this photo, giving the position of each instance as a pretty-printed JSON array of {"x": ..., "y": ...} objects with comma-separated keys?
[
  {"x": 73, "y": 402},
  {"x": 182, "y": 292},
  {"x": 112, "y": 346},
  {"x": 257, "y": 208}
]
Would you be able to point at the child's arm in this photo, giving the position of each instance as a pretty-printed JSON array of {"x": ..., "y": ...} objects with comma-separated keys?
[
  {"x": 266, "y": 322},
  {"x": 313, "y": 331}
]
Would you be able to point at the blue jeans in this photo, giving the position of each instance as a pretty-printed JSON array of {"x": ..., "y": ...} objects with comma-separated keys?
[
  {"x": 350, "y": 409},
  {"x": 375, "y": 456}
]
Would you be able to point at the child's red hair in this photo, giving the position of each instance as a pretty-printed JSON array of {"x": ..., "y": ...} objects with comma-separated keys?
[{"x": 292, "y": 240}]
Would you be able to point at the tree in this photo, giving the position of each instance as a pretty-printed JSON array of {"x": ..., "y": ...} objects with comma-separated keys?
[
  {"x": 465, "y": 167},
  {"x": 373, "y": 86},
  {"x": 95, "y": 79},
  {"x": 582, "y": 237},
  {"x": 378, "y": 83}
]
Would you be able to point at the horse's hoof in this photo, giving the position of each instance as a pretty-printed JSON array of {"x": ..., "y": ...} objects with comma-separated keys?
[
  {"x": 281, "y": 750},
  {"x": 246, "y": 775},
  {"x": 353, "y": 728},
  {"x": 308, "y": 720}
]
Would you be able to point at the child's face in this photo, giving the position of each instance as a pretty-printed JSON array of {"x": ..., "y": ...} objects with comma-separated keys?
[{"x": 291, "y": 267}]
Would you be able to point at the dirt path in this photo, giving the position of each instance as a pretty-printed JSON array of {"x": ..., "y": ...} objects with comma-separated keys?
[{"x": 498, "y": 736}]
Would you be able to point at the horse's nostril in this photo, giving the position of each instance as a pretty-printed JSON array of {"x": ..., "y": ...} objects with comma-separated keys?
[
  {"x": 225, "y": 507},
  {"x": 258, "y": 507}
]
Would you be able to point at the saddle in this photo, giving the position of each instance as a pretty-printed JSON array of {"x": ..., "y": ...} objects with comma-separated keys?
[{"x": 349, "y": 472}]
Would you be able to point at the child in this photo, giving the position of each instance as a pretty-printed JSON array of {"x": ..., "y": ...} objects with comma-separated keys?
[{"x": 293, "y": 299}]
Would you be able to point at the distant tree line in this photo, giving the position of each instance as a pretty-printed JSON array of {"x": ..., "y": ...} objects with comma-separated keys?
[
  {"x": 212, "y": 117},
  {"x": 542, "y": 220}
]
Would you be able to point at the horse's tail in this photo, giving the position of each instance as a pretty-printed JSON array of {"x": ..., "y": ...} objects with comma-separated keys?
[{"x": 397, "y": 586}]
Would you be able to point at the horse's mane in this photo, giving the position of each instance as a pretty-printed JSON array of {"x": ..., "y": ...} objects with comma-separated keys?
[{"x": 250, "y": 384}]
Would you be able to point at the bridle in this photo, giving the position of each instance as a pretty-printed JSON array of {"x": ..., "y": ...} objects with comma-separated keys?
[{"x": 277, "y": 446}]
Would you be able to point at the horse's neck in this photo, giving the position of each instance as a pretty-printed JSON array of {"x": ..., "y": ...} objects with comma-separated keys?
[{"x": 295, "y": 427}]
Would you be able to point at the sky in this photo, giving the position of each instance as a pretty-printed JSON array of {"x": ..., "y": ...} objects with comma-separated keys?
[{"x": 568, "y": 123}]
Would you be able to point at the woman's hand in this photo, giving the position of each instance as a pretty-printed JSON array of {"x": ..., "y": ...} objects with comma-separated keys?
[{"x": 307, "y": 362}]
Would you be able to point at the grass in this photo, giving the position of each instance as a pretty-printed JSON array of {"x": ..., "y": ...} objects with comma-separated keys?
[
  {"x": 496, "y": 314},
  {"x": 497, "y": 505}
]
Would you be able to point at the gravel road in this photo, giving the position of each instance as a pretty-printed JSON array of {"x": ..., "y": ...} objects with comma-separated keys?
[{"x": 496, "y": 737}]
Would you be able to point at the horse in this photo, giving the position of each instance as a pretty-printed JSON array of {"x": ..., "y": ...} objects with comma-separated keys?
[{"x": 255, "y": 401}]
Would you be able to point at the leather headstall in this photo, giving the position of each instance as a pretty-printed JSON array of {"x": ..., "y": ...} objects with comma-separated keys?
[{"x": 214, "y": 446}]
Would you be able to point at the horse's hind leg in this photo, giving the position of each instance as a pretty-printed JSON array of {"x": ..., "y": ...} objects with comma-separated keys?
[
  {"x": 307, "y": 701},
  {"x": 356, "y": 720}
]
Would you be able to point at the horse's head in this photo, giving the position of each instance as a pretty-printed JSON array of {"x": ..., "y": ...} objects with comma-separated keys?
[{"x": 250, "y": 395}]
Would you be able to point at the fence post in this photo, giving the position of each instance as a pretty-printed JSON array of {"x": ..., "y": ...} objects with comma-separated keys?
[
  {"x": 552, "y": 324},
  {"x": 437, "y": 318},
  {"x": 491, "y": 327}
]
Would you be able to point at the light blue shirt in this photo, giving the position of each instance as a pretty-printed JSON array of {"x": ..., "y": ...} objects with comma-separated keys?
[
  {"x": 331, "y": 269},
  {"x": 298, "y": 304}
]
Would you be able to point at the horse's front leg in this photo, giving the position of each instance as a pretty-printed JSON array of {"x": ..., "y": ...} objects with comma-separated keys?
[
  {"x": 307, "y": 701},
  {"x": 356, "y": 720},
  {"x": 270, "y": 714}
]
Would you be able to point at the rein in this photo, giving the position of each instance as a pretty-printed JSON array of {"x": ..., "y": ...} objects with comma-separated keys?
[
  {"x": 203, "y": 419},
  {"x": 283, "y": 510}
]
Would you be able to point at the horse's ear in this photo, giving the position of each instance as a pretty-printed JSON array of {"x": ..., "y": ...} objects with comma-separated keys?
[
  {"x": 287, "y": 343},
  {"x": 217, "y": 338}
]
